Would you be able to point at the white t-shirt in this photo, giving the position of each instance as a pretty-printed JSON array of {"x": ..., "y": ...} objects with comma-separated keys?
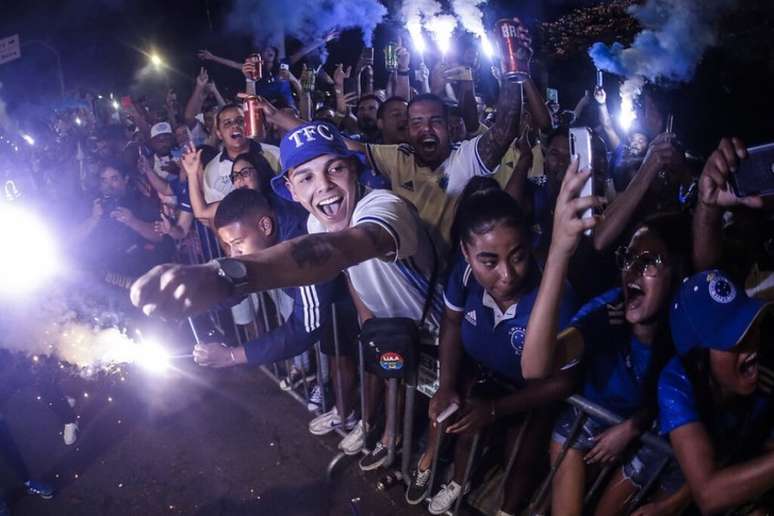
[
  {"x": 217, "y": 173},
  {"x": 396, "y": 286}
]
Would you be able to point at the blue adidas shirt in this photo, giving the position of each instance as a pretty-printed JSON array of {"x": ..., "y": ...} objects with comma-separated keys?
[
  {"x": 615, "y": 362},
  {"x": 732, "y": 425},
  {"x": 490, "y": 336}
]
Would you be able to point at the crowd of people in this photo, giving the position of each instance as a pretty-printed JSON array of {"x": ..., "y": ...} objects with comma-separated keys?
[{"x": 451, "y": 198}]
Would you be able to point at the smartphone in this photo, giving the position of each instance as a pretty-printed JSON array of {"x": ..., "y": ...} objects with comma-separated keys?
[
  {"x": 755, "y": 175},
  {"x": 552, "y": 95},
  {"x": 580, "y": 145}
]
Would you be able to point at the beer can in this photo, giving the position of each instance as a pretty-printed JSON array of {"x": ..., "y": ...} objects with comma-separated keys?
[
  {"x": 253, "y": 118},
  {"x": 514, "y": 54},
  {"x": 257, "y": 60}
]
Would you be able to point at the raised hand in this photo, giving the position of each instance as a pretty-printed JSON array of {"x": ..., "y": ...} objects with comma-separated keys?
[
  {"x": 203, "y": 78},
  {"x": 339, "y": 74},
  {"x": 568, "y": 222},
  {"x": 600, "y": 95},
  {"x": 714, "y": 188}
]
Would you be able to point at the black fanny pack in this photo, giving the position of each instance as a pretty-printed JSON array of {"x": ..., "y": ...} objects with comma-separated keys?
[{"x": 390, "y": 346}]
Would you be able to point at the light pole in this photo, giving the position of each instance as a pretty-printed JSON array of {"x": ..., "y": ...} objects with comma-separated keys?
[{"x": 54, "y": 51}]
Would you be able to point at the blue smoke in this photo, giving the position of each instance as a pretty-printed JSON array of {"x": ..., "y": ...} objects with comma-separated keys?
[
  {"x": 673, "y": 40},
  {"x": 307, "y": 20}
]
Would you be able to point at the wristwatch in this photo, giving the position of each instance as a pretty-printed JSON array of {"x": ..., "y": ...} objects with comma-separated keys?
[{"x": 234, "y": 273}]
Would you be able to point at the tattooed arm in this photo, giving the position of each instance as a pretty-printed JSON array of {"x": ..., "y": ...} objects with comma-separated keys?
[
  {"x": 318, "y": 257},
  {"x": 495, "y": 142},
  {"x": 177, "y": 291}
]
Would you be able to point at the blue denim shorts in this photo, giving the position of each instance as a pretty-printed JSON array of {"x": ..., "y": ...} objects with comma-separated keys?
[{"x": 638, "y": 465}]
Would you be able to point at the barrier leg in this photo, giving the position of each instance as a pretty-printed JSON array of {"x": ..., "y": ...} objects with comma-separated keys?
[
  {"x": 391, "y": 424},
  {"x": 265, "y": 318},
  {"x": 468, "y": 471},
  {"x": 321, "y": 378},
  {"x": 339, "y": 402},
  {"x": 440, "y": 431},
  {"x": 408, "y": 424},
  {"x": 598, "y": 482},
  {"x": 574, "y": 431},
  {"x": 514, "y": 454},
  {"x": 363, "y": 390}
]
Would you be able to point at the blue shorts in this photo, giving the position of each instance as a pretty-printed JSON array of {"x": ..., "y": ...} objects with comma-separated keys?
[{"x": 638, "y": 465}]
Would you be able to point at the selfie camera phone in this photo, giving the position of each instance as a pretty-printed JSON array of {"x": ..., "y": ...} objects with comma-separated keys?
[
  {"x": 580, "y": 145},
  {"x": 447, "y": 412},
  {"x": 755, "y": 175}
]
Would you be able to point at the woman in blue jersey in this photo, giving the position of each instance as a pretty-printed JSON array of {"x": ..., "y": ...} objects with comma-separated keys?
[
  {"x": 488, "y": 298},
  {"x": 621, "y": 339},
  {"x": 715, "y": 398}
]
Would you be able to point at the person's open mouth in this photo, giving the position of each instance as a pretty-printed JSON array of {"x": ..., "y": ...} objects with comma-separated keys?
[
  {"x": 330, "y": 206},
  {"x": 237, "y": 135},
  {"x": 634, "y": 295},
  {"x": 429, "y": 144}
]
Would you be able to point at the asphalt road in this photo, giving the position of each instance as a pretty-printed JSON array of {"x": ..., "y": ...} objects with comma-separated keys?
[{"x": 193, "y": 442}]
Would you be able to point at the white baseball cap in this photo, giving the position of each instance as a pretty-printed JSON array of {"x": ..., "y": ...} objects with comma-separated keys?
[{"x": 161, "y": 128}]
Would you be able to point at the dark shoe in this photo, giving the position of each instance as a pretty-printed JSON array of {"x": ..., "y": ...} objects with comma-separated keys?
[
  {"x": 376, "y": 459},
  {"x": 419, "y": 487}
]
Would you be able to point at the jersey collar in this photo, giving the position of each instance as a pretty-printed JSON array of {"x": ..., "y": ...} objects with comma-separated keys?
[{"x": 499, "y": 316}]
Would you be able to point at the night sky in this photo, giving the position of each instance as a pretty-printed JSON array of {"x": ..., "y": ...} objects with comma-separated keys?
[{"x": 100, "y": 42}]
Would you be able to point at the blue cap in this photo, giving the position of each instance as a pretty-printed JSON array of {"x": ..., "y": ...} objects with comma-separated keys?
[
  {"x": 305, "y": 143},
  {"x": 710, "y": 311}
]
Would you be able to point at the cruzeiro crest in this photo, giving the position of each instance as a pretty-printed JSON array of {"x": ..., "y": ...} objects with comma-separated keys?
[
  {"x": 721, "y": 289},
  {"x": 517, "y": 335}
]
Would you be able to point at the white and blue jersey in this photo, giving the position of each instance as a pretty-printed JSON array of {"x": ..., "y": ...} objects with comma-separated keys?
[
  {"x": 615, "y": 362},
  {"x": 494, "y": 338}
]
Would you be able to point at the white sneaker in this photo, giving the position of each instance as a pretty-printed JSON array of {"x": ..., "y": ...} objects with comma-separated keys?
[
  {"x": 503, "y": 513},
  {"x": 330, "y": 421},
  {"x": 70, "y": 434},
  {"x": 353, "y": 442},
  {"x": 445, "y": 498}
]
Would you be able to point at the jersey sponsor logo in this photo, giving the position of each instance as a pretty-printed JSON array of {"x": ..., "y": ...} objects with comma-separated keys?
[
  {"x": 408, "y": 185},
  {"x": 391, "y": 361},
  {"x": 720, "y": 289},
  {"x": 517, "y": 334},
  {"x": 471, "y": 317}
]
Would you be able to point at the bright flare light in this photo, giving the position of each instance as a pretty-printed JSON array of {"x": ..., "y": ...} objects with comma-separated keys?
[
  {"x": 628, "y": 115},
  {"x": 29, "y": 256},
  {"x": 486, "y": 46},
  {"x": 442, "y": 27},
  {"x": 152, "y": 357},
  {"x": 115, "y": 104},
  {"x": 29, "y": 139},
  {"x": 415, "y": 29},
  {"x": 78, "y": 121},
  {"x": 156, "y": 60}
]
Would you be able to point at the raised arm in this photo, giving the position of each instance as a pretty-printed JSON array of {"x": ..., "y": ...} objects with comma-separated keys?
[
  {"x": 538, "y": 359},
  {"x": 192, "y": 163},
  {"x": 517, "y": 183},
  {"x": 662, "y": 155},
  {"x": 715, "y": 196},
  {"x": 536, "y": 104},
  {"x": 403, "y": 74},
  {"x": 194, "y": 105},
  {"x": 206, "y": 55},
  {"x": 299, "y": 54},
  {"x": 604, "y": 118},
  {"x": 177, "y": 291},
  {"x": 494, "y": 143}
]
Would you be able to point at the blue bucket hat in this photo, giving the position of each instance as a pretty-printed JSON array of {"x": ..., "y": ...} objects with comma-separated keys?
[
  {"x": 712, "y": 312},
  {"x": 307, "y": 142}
]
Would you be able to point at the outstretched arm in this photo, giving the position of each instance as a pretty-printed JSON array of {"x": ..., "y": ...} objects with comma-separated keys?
[
  {"x": 175, "y": 291},
  {"x": 206, "y": 55}
]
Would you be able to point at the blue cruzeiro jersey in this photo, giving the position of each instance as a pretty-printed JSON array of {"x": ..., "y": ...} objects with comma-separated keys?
[
  {"x": 490, "y": 336},
  {"x": 311, "y": 303},
  {"x": 732, "y": 426},
  {"x": 615, "y": 362}
]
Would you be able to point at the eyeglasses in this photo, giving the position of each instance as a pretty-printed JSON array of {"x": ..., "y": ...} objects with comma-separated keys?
[
  {"x": 646, "y": 263},
  {"x": 242, "y": 174}
]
